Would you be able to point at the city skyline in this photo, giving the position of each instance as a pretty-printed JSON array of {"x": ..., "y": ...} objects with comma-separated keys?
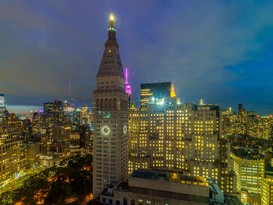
[{"x": 218, "y": 51}]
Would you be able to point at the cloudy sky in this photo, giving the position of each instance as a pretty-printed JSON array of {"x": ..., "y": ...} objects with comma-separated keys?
[{"x": 219, "y": 50}]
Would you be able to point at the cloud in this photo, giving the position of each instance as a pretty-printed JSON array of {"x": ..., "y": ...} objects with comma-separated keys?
[
  {"x": 204, "y": 47},
  {"x": 195, "y": 44}
]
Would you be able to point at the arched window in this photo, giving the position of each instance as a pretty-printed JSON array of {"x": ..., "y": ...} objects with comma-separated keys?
[
  {"x": 101, "y": 105},
  {"x": 106, "y": 104},
  {"x": 125, "y": 201},
  {"x": 110, "y": 104},
  {"x": 115, "y": 104},
  {"x": 97, "y": 104}
]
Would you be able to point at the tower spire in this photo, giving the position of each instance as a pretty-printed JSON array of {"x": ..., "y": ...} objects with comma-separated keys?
[
  {"x": 127, "y": 85},
  {"x": 172, "y": 93},
  {"x": 112, "y": 20},
  {"x": 111, "y": 62},
  {"x": 69, "y": 92},
  {"x": 111, "y": 29},
  {"x": 128, "y": 89},
  {"x": 126, "y": 76}
]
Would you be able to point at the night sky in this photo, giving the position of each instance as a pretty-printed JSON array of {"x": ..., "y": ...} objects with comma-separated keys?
[{"x": 220, "y": 51}]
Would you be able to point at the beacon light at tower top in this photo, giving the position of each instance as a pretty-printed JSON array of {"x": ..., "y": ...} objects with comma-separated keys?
[
  {"x": 112, "y": 17},
  {"x": 112, "y": 23}
]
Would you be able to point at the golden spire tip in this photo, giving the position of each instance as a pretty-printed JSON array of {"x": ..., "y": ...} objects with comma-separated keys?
[{"x": 112, "y": 17}]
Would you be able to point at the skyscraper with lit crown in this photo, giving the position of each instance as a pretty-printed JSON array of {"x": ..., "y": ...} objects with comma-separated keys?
[
  {"x": 165, "y": 134},
  {"x": 128, "y": 89},
  {"x": 110, "y": 118}
]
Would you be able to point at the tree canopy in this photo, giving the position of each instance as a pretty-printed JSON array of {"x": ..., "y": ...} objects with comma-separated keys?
[{"x": 70, "y": 183}]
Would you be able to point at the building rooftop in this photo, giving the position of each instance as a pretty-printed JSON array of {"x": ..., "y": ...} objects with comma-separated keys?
[
  {"x": 248, "y": 154},
  {"x": 169, "y": 176},
  {"x": 169, "y": 185}
]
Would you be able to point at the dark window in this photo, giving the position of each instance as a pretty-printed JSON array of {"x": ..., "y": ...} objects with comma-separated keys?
[{"x": 124, "y": 201}]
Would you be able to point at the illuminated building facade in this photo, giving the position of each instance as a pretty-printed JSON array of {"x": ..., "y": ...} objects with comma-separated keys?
[
  {"x": 32, "y": 152},
  {"x": 61, "y": 132},
  {"x": 68, "y": 108},
  {"x": 55, "y": 109},
  {"x": 154, "y": 93},
  {"x": 166, "y": 134},
  {"x": 110, "y": 118},
  {"x": 267, "y": 191},
  {"x": 2, "y": 100},
  {"x": 14, "y": 122},
  {"x": 9, "y": 153},
  {"x": 247, "y": 123},
  {"x": 60, "y": 141},
  {"x": 37, "y": 123},
  {"x": 83, "y": 115},
  {"x": 249, "y": 169},
  {"x": 3, "y": 110},
  {"x": 128, "y": 89},
  {"x": 68, "y": 111}
]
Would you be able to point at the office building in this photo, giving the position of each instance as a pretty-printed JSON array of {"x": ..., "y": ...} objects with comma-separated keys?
[
  {"x": 267, "y": 191},
  {"x": 14, "y": 122},
  {"x": 9, "y": 154},
  {"x": 163, "y": 188},
  {"x": 249, "y": 169},
  {"x": 60, "y": 141},
  {"x": 151, "y": 93},
  {"x": 164, "y": 133},
  {"x": 55, "y": 109},
  {"x": 2, "y": 100},
  {"x": 37, "y": 123},
  {"x": 83, "y": 116},
  {"x": 110, "y": 118},
  {"x": 3, "y": 110},
  {"x": 32, "y": 152}
]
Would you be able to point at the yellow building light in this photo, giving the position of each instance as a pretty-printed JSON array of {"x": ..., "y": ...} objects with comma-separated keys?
[{"x": 172, "y": 93}]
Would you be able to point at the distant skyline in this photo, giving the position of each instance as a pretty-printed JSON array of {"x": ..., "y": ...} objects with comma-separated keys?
[
  {"x": 21, "y": 109},
  {"x": 220, "y": 51}
]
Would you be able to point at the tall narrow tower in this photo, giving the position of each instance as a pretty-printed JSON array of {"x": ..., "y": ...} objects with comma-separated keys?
[
  {"x": 110, "y": 118},
  {"x": 128, "y": 89}
]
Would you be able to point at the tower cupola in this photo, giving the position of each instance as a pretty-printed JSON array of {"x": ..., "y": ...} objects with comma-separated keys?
[{"x": 111, "y": 29}]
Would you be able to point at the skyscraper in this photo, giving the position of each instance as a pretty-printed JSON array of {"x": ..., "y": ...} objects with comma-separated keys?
[
  {"x": 110, "y": 118},
  {"x": 10, "y": 153},
  {"x": 167, "y": 134},
  {"x": 56, "y": 109},
  {"x": 154, "y": 93},
  {"x": 2, "y": 100},
  {"x": 3, "y": 110},
  {"x": 128, "y": 88}
]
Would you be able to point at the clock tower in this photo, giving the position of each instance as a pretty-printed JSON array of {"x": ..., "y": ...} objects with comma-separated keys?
[{"x": 110, "y": 118}]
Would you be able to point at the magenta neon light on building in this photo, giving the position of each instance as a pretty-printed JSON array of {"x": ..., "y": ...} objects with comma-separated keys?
[{"x": 127, "y": 85}]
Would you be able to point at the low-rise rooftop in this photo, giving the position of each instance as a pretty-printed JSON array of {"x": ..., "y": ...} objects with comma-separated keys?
[{"x": 170, "y": 176}]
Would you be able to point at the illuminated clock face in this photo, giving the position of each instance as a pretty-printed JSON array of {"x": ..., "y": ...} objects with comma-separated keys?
[
  {"x": 124, "y": 129},
  {"x": 105, "y": 130}
]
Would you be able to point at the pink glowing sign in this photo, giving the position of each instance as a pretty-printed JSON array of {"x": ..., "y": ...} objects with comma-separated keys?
[{"x": 127, "y": 86}]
